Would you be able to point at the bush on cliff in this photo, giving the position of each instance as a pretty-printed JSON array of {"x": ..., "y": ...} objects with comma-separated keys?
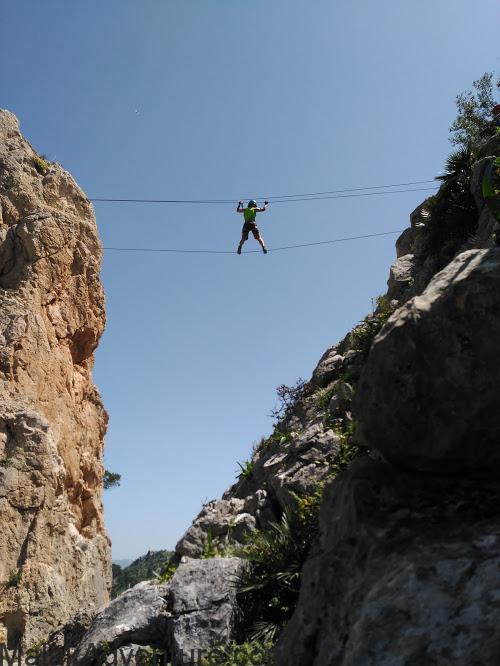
[
  {"x": 473, "y": 121},
  {"x": 452, "y": 214},
  {"x": 268, "y": 593}
]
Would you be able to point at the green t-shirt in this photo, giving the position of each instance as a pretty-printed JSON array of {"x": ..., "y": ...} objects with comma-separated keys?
[{"x": 250, "y": 214}]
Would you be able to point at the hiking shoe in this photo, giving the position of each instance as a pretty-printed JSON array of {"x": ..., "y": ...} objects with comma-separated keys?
[
  {"x": 264, "y": 250},
  {"x": 238, "y": 250}
]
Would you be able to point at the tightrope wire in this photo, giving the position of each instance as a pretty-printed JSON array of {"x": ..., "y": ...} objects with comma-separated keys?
[
  {"x": 272, "y": 249},
  {"x": 285, "y": 198}
]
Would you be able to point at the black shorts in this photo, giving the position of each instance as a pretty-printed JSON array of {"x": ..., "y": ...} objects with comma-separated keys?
[{"x": 249, "y": 227}]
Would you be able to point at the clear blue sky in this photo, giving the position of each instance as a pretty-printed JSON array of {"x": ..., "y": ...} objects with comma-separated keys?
[{"x": 225, "y": 98}]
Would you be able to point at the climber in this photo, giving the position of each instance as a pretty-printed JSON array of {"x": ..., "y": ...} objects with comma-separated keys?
[{"x": 250, "y": 213}]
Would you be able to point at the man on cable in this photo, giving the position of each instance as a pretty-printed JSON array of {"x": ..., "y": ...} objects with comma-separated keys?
[{"x": 250, "y": 213}]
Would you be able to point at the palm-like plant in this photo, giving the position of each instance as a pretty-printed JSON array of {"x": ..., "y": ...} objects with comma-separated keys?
[
  {"x": 452, "y": 215},
  {"x": 458, "y": 165},
  {"x": 268, "y": 592}
]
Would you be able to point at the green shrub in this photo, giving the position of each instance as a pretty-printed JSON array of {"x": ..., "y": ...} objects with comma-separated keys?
[
  {"x": 246, "y": 469},
  {"x": 6, "y": 462},
  {"x": 110, "y": 479},
  {"x": 473, "y": 121},
  {"x": 209, "y": 549},
  {"x": 40, "y": 163},
  {"x": 323, "y": 396},
  {"x": 268, "y": 591},
  {"x": 167, "y": 573},
  {"x": 453, "y": 216},
  {"x": 348, "y": 449},
  {"x": 247, "y": 654},
  {"x": 363, "y": 334},
  {"x": 148, "y": 656},
  {"x": 35, "y": 649},
  {"x": 288, "y": 396},
  {"x": 384, "y": 308},
  {"x": 279, "y": 437},
  {"x": 14, "y": 578}
]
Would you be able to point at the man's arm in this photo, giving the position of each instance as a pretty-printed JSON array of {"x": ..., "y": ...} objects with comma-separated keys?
[
  {"x": 262, "y": 210},
  {"x": 240, "y": 207}
]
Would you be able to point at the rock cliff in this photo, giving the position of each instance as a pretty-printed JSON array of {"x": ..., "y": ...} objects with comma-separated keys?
[
  {"x": 54, "y": 552},
  {"x": 406, "y": 569}
]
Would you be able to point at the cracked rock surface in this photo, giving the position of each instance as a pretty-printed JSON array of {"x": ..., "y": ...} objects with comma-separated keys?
[
  {"x": 54, "y": 552},
  {"x": 193, "y": 611}
]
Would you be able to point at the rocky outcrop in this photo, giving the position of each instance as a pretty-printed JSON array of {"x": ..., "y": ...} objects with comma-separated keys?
[
  {"x": 290, "y": 463},
  {"x": 194, "y": 611},
  {"x": 222, "y": 522},
  {"x": 201, "y": 604},
  {"x": 136, "y": 616},
  {"x": 406, "y": 571},
  {"x": 54, "y": 552},
  {"x": 428, "y": 396}
]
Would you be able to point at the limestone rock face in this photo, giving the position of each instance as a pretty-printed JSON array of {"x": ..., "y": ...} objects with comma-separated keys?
[
  {"x": 54, "y": 552},
  {"x": 195, "y": 610},
  {"x": 223, "y": 520},
  {"x": 137, "y": 615},
  {"x": 295, "y": 465},
  {"x": 400, "y": 276},
  {"x": 201, "y": 602},
  {"x": 406, "y": 571},
  {"x": 428, "y": 395}
]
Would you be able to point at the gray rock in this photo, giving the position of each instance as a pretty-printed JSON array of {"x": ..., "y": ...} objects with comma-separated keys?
[
  {"x": 139, "y": 615},
  {"x": 406, "y": 571},
  {"x": 226, "y": 521},
  {"x": 401, "y": 277},
  {"x": 428, "y": 395},
  {"x": 341, "y": 400},
  {"x": 476, "y": 186},
  {"x": 65, "y": 639},
  {"x": 405, "y": 242},
  {"x": 491, "y": 146},
  {"x": 485, "y": 227},
  {"x": 327, "y": 369},
  {"x": 195, "y": 610},
  {"x": 201, "y": 601},
  {"x": 353, "y": 362},
  {"x": 305, "y": 465}
]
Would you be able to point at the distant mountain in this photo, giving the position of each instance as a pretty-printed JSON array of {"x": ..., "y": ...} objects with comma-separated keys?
[
  {"x": 123, "y": 563},
  {"x": 143, "y": 568}
]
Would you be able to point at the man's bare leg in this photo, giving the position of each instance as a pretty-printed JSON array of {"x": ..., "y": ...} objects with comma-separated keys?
[
  {"x": 262, "y": 244},
  {"x": 240, "y": 245}
]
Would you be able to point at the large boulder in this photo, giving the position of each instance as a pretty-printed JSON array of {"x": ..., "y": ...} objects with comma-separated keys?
[
  {"x": 406, "y": 571},
  {"x": 405, "y": 242},
  {"x": 221, "y": 523},
  {"x": 401, "y": 277},
  {"x": 428, "y": 395},
  {"x": 194, "y": 611},
  {"x": 139, "y": 615},
  {"x": 201, "y": 603},
  {"x": 328, "y": 368}
]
